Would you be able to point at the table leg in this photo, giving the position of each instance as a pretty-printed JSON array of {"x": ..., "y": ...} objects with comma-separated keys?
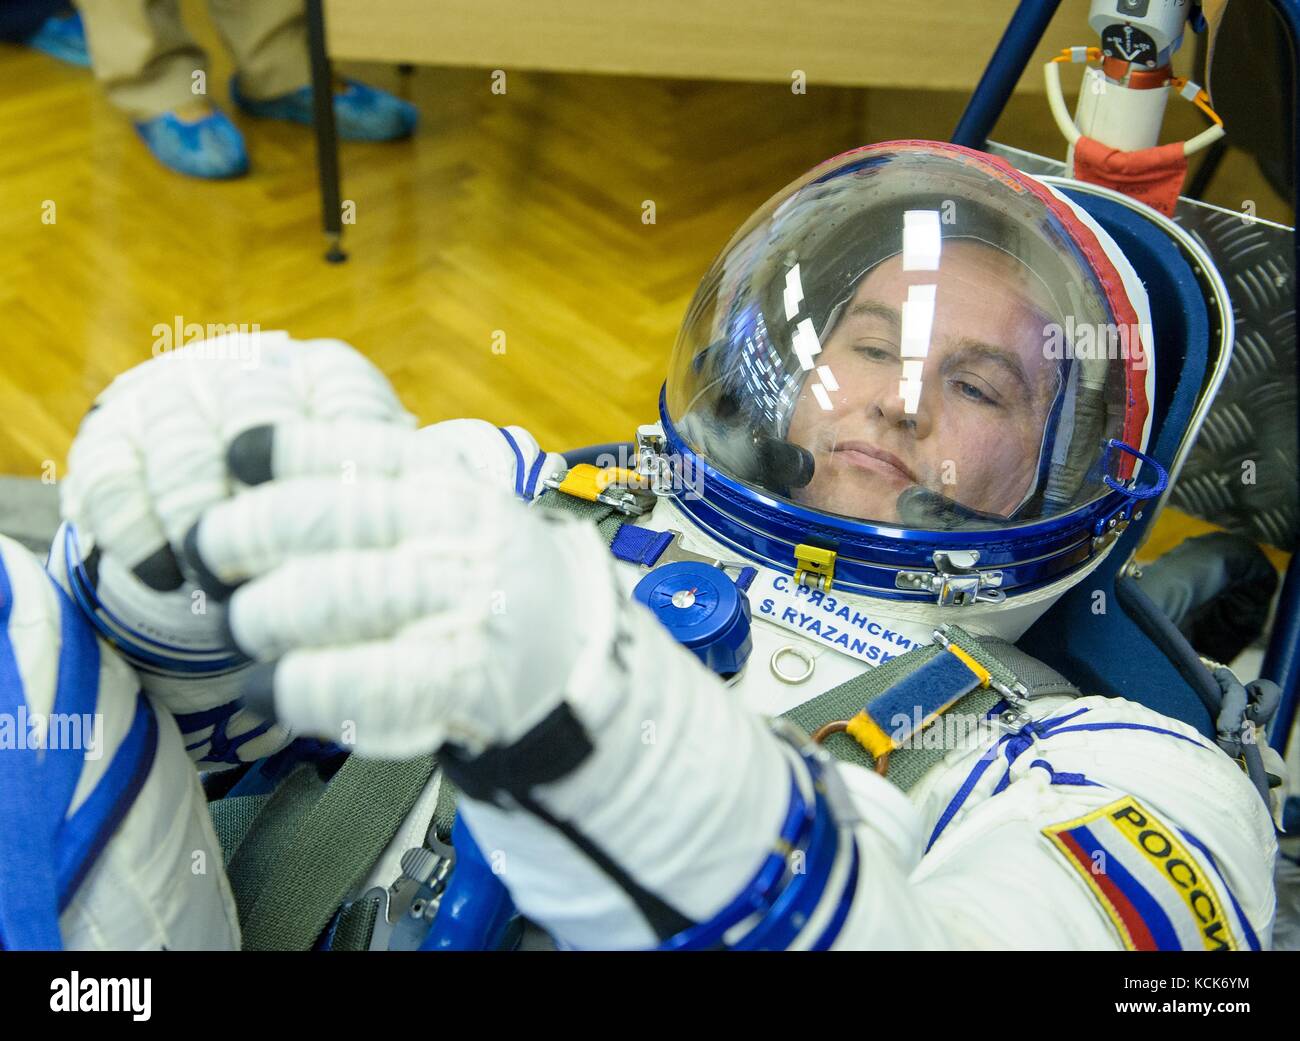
[{"x": 327, "y": 143}]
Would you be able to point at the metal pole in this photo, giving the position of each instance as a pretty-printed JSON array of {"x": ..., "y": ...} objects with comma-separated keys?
[
  {"x": 1282, "y": 662},
  {"x": 327, "y": 143},
  {"x": 1009, "y": 60}
]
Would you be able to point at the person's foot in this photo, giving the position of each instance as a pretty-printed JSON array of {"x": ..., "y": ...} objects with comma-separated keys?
[
  {"x": 197, "y": 140},
  {"x": 62, "y": 36},
  {"x": 361, "y": 113}
]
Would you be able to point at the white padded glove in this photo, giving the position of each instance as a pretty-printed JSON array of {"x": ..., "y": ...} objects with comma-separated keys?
[
  {"x": 421, "y": 607},
  {"x": 612, "y": 780},
  {"x": 148, "y": 458}
]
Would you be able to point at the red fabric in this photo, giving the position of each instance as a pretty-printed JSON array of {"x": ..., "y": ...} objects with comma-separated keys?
[
  {"x": 1138, "y": 931},
  {"x": 1152, "y": 175}
]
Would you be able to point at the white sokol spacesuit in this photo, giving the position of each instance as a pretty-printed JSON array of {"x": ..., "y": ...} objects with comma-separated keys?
[{"x": 876, "y": 376}]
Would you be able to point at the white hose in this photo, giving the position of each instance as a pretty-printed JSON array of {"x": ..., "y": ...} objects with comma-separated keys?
[{"x": 1070, "y": 131}]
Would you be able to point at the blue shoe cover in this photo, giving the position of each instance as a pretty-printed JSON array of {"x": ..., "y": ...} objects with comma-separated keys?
[
  {"x": 211, "y": 148},
  {"x": 361, "y": 113},
  {"x": 62, "y": 37}
]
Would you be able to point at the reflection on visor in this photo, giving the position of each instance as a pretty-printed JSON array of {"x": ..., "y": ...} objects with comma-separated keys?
[{"x": 894, "y": 339}]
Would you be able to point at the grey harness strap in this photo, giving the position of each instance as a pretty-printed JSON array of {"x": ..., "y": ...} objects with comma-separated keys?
[
  {"x": 233, "y": 818},
  {"x": 1009, "y": 667},
  {"x": 293, "y": 856},
  {"x": 1039, "y": 680},
  {"x": 607, "y": 519},
  {"x": 357, "y": 920}
]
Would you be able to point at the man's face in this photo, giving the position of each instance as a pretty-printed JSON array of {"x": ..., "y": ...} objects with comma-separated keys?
[{"x": 986, "y": 388}]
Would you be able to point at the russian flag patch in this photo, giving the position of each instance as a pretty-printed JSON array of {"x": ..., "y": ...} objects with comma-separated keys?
[{"x": 1156, "y": 893}]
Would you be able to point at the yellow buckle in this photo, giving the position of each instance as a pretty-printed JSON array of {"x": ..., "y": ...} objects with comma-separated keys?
[
  {"x": 624, "y": 489},
  {"x": 586, "y": 481},
  {"x": 814, "y": 566}
]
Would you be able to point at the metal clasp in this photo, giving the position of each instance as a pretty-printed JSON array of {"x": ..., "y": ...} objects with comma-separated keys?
[
  {"x": 955, "y": 580},
  {"x": 408, "y": 906},
  {"x": 651, "y": 460},
  {"x": 675, "y": 552},
  {"x": 625, "y": 490},
  {"x": 1016, "y": 694}
]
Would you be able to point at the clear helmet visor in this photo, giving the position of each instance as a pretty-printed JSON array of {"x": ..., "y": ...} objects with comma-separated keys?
[{"x": 915, "y": 335}]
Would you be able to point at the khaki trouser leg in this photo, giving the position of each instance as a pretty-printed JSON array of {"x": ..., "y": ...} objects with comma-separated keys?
[
  {"x": 142, "y": 54},
  {"x": 268, "y": 41}
]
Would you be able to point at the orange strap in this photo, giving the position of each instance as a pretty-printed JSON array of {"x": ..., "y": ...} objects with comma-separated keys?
[
  {"x": 1073, "y": 54},
  {"x": 1200, "y": 99},
  {"x": 1136, "y": 77},
  {"x": 1140, "y": 78}
]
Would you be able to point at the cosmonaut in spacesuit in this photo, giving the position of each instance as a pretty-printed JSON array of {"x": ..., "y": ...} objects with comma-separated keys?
[{"x": 875, "y": 426}]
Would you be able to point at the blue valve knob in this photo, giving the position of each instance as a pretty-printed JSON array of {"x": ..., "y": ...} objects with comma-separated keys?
[{"x": 704, "y": 610}]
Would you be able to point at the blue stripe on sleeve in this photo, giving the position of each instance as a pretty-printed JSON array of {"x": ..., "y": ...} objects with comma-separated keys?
[
  {"x": 530, "y": 490},
  {"x": 1251, "y": 939},
  {"x": 83, "y": 836},
  {"x": 76, "y": 694},
  {"x": 44, "y": 854},
  {"x": 519, "y": 461},
  {"x": 29, "y": 917}
]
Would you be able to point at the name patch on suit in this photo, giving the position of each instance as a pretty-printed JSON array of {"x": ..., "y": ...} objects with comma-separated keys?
[{"x": 829, "y": 619}]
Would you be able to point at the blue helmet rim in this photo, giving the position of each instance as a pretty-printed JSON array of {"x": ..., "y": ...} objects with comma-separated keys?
[{"x": 766, "y": 529}]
